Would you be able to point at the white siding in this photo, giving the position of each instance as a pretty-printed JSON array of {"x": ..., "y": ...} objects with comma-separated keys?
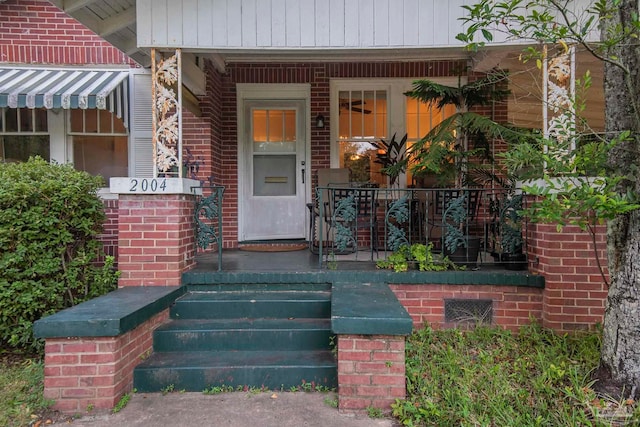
[
  {"x": 294, "y": 24},
  {"x": 250, "y": 24}
]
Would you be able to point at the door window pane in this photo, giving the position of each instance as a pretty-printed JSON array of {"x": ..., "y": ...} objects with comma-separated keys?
[
  {"x": 274, "y": 131},
  {"x": 274, "y": 175}
]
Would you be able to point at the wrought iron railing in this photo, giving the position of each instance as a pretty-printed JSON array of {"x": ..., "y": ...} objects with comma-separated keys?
[
  {"x": 348, "y": 219},
  {"x": 208, "y": 219}
]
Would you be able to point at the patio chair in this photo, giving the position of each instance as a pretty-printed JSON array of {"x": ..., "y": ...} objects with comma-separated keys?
[
  {"x": 440, "y": 201},
  {"x": 350, "y": 210}
]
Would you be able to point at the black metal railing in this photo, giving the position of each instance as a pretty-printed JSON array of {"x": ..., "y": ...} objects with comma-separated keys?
[
  {"x": 347, "y": 219},
  {"x": 208, "y": 219}
]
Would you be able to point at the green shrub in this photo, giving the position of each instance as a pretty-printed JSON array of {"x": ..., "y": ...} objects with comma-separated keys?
[{"x": 50, "y": 219}]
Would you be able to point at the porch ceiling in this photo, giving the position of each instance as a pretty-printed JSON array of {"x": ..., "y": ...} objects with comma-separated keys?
[{"x": 115, "y": 22}]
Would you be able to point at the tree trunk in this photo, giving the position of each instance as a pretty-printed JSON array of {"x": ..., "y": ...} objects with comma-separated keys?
[{"x": 621, "y": 339}]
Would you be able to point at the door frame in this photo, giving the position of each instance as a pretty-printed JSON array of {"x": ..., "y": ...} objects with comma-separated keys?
[{"x": 270, "y": 92}]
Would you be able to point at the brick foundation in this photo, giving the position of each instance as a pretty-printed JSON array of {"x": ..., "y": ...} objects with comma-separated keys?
[
  {"x": 513, "y": 306},
  {"x": 371, "y": 371},
  {"x": 95, "y": 371}
]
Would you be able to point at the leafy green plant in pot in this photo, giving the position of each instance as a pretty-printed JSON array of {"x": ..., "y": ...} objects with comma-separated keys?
[
  {"x": 459, "y": 247},
  {"x": 418, "y": 255}
]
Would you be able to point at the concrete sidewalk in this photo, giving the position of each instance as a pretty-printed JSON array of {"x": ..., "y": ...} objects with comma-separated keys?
[{"x": 238, "y": 409}]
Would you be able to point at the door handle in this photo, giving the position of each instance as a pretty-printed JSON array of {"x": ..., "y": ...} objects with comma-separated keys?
[{"x": 303, "y": 175}]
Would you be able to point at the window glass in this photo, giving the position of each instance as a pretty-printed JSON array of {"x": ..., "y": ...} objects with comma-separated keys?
[
  {"x": 362, "y": 119},
  {"x": 100, "y": 143},
  {"x": 11, "y": 118},
  {"x": 421, "y": 118},
  {"x": 23, "y": 134},
  {"x": 106, "y": 156},
  {"x": 18, "y": 148}
]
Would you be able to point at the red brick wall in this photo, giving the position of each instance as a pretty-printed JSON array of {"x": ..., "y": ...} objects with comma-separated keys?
[
  {"x": 575, "y": 293},
  {"x": 513, "y": 306},
  {"x": 156, "y": 241},
  {"x": 36, "y": 32},
  {"x": 109, "y": 236},
  {"x": 95, "y": 372},
  {"x": 371, "y": 372}
]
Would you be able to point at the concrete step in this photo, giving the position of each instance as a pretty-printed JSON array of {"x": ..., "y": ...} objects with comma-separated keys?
[
  {"x": 199, "y": 370},
  {"x": 252, "y": 305},
  {"x": 243, "y": 334}
]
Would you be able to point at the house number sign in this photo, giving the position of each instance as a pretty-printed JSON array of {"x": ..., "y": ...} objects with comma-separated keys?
[{"x": 147, "y": 185}]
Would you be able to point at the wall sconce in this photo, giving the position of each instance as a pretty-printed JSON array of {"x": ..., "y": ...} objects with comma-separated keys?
[{"x": 320, "y": 121}]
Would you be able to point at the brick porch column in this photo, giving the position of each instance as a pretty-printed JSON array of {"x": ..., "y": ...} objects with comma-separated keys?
[
  {"x": 156, "y": 238},
  {"x": 575, "y": 294}
]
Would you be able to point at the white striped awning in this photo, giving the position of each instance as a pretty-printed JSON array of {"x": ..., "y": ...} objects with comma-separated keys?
[{"x": 65, "y": 88}]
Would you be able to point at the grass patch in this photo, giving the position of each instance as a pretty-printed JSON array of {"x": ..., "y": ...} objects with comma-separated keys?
[
  {"x": 21, "y": 393},
  {"x": 489, "y": 376}
]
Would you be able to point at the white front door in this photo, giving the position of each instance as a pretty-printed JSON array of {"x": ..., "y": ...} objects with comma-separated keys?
[{"x": 274, "y": 173}]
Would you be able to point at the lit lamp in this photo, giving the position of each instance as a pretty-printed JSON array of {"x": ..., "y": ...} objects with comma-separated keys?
[{"x": 320, "y": 121}]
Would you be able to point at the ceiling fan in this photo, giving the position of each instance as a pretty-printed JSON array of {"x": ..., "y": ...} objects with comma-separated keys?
[{"x": 356, "y": 105}]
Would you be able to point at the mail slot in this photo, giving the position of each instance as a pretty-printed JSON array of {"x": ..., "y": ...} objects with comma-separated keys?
[{"x": 276, "y": 179}]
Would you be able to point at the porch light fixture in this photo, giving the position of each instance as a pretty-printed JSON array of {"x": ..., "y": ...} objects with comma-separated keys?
[{"x": 320, "y": 121}]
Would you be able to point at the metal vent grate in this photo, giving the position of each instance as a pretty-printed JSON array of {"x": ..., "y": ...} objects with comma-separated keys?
[{"x": 473, "y": 311}]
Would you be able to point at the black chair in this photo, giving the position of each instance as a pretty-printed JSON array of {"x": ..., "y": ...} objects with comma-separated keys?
[
  {"x": 440, "y": 201},
  {"x": 350, "y": 210},
  {"x": 324, "y": 178}
]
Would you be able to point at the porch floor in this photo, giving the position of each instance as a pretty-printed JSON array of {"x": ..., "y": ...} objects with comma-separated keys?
[
  {"x": 290, "y": 261},
  {"x": 240, "y": 266}
]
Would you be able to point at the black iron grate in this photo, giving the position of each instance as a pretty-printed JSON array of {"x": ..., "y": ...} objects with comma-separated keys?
[{"x": 475, "y": 311}]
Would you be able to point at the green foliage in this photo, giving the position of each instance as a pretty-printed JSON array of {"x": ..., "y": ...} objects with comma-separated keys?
[
  {"x": 391, "y": 155},
  {"x": 450, "y": 149},
  {"x": 374, "y": 412},
  {"x": 123, "y": 402},
  {"x": 50, "y": 218},
  {"x": 490, "y": 376},
  {"x": 21, "y": 393},
  {"x": 418, "y": 253}
]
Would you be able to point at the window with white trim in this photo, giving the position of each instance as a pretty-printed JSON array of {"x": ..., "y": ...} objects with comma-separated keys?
[
  {"x": 23, "y": 133},
  {"x": 370, "y": 110},
  {"x": 100, "y": 143}
]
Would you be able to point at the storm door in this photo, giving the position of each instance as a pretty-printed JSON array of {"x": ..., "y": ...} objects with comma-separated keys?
[{"x": 275, "y": 175}]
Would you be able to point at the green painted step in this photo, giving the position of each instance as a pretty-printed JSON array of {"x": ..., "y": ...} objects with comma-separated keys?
[
  {"x": 196, "y": 371},
  {"x": 243, "y": 334},
  {"x": 216, "y": 286},
  {"x": 267, "y": 304}
]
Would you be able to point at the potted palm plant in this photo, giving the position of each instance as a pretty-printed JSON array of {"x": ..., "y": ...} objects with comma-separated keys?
[{"x": 460, "y": 142}]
